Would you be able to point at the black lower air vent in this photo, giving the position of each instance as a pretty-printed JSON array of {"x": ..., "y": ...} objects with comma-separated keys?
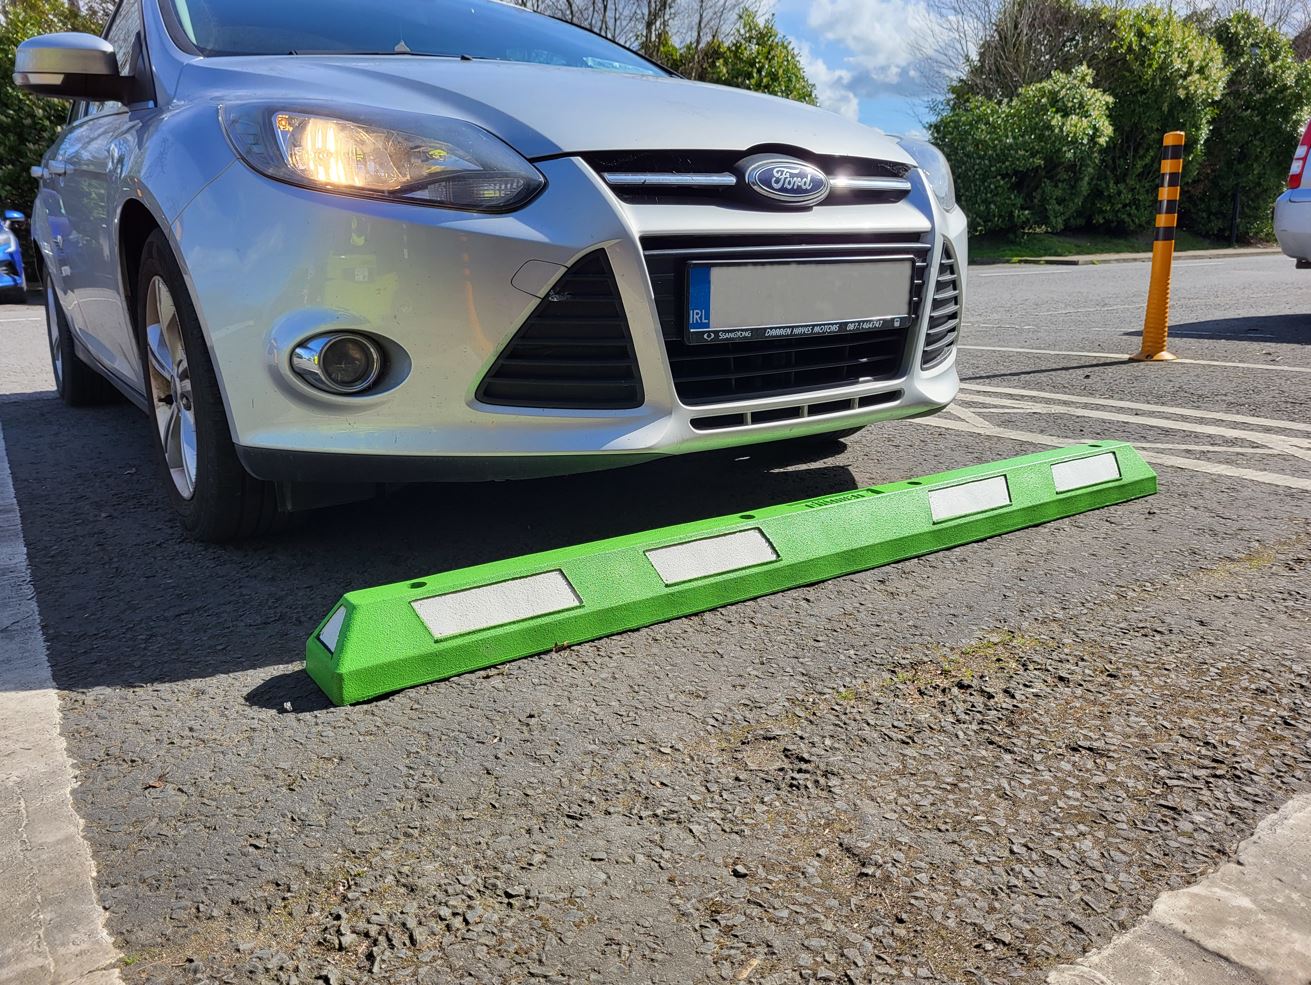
[
  {"x": 575, "y": 351},
  {"x": 944, "y": 312}
]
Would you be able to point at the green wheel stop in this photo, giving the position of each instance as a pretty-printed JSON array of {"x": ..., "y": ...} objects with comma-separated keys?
[{"x": 379, "y": 640}]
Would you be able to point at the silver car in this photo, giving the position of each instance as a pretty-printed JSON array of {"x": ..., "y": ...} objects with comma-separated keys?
[{"x": 327, "y": 245}]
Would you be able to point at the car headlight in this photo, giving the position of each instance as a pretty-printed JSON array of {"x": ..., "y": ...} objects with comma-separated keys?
[
  {"x": 934, "y": 165},
  {"x": 421, "y": 159}
]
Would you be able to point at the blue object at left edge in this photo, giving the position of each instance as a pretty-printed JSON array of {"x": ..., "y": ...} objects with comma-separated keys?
[{"x": 11, "y": 255}]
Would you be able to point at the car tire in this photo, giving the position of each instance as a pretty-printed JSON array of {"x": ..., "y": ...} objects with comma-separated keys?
[
  {"x": 15, "y": 295},
  {"x": 77, "y": 383},
  {"x": 216, "y": 499}
]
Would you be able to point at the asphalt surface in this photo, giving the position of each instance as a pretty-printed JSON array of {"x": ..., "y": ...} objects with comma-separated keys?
[{"x": 966, "y": 768}]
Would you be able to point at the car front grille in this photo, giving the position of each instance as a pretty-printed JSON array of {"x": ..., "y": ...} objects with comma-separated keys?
[
  {"x": 723, "y": 372},
  {"x": 690, "y": 177},
  {"x": 574, "y": 351},
  {"x": 944, "y": 312}
]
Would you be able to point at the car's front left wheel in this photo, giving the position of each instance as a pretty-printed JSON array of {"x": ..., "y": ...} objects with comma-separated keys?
[{"x": 214, "y": 496}]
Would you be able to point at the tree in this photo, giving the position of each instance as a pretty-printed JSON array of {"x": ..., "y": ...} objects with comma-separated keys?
[
  {"x": 1257, "y": 123},
  {"x": 1005, "y": 45},
  {"x": 1027, "y": 162},
  {"x": 28, "y": 125},
  {"x": 1164, "y": 74},
  {"x": 755, "y": 56},
  {"x": 647, "y": 25},
  {"x": 1286, "y": 16},
  {"x": 723, "y": 41}
]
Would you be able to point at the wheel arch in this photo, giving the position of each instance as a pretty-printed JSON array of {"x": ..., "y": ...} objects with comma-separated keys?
[
  {"x": 38, "y": 265},
  {"x": 135, "y": 224}
]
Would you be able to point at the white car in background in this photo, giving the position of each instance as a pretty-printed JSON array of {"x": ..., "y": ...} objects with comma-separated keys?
[{"x": 1293, "y": 207}]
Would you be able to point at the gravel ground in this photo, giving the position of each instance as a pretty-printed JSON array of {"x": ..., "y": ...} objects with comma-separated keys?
[{"x": 964, "y": 768}]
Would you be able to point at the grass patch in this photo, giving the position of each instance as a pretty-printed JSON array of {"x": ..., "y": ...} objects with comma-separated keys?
[
  {"x": 1027, "y": 245},
  {"x": 145, "y": 959},
  {"x": 999, "y": 654}
]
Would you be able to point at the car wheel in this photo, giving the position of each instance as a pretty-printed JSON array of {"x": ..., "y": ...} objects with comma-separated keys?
[
  {"x": 15, "y": 295},
  {"x": 216, "y": 499},
  {"x": 77, "y": 383}
]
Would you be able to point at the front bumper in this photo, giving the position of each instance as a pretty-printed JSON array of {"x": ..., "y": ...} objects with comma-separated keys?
[{"x": 447, "y": 291}]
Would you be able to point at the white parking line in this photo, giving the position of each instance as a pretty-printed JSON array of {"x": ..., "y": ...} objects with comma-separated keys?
[
  {"x": 1084, "y": 311},
  {"x": 51, "y": 926},
  {"x": 1209, "y": 415},
  {"x": 965, "y": 414},
  {"x": 1297, "y": 447},
  {"x": 1123, "y": 356},
  {"x": 1038, "y": 269},
  {"x": 1034, "y": 271},
  {"x": 982, "y": 400},
  {"x": 1192, "y": 464},
  {"x": 1170, "y": 446},
  {"x": 24, "y": 318}
]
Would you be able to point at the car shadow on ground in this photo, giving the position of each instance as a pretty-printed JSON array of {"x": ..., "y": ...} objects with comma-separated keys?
[
  {"x": 1292, "y": 329},
  {"x": 127, "y": 601},
  {"x": 1101, "y": 364}
]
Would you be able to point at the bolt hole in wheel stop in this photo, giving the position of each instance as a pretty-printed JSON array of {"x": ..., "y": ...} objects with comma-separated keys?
[{"x": 379, "y": 640}]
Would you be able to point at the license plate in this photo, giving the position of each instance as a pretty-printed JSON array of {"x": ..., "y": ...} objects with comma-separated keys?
[{"x": 753, "y": 300}]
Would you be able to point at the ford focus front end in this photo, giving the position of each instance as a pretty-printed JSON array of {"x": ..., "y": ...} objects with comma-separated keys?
[{"x": 465, "y": 242}]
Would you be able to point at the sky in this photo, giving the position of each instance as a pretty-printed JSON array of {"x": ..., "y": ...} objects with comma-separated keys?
[{"x": 865, "y": 57}]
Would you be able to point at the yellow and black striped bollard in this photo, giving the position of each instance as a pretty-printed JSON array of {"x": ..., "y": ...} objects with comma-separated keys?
[{"x": 1156, "y": 324}]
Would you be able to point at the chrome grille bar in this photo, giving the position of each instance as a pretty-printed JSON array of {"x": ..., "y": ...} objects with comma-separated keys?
[
  {"x": 854, "y": 183},
  {"x": 671, "y": 179},
  {"x": 654, "y": 179}
]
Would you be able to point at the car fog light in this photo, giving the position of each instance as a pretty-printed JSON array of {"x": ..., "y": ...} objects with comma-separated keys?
[{"x": 338, "y": 363}]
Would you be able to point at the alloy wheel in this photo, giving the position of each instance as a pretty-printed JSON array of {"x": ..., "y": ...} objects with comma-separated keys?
[
  {"x": 52, "y": 327},
  {"x": 170, "y": 387}
]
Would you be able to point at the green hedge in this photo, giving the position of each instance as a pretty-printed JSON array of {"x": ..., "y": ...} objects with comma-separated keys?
[
  {"x": 1164, "y": 74},
  {"x": 27, "y": 124},
  {"x": 1258, "y": 121},
  {"x": 755, "y": 55},
  {"x": 1027, "y": 162},
  {"x": 1233, "y": 85}
]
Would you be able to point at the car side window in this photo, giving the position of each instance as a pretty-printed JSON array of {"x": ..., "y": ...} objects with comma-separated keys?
[{"x": 123, "y": 33}]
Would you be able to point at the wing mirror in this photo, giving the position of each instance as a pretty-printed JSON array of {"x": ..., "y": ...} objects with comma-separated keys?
[
  {"x": 70, "y": 66},
  {"x": 12, "y": 216}
]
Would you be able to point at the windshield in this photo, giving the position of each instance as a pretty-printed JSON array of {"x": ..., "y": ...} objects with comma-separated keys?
[{"x": 453, "y": 28}]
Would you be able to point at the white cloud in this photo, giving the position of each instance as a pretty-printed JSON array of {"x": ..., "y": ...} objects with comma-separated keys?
[
  {"x": 889, "y": 41},
  {"x": 832, "y": 85}
]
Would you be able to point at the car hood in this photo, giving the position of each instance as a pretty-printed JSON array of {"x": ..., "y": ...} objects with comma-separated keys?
[{"x": 544, "y": 110}]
